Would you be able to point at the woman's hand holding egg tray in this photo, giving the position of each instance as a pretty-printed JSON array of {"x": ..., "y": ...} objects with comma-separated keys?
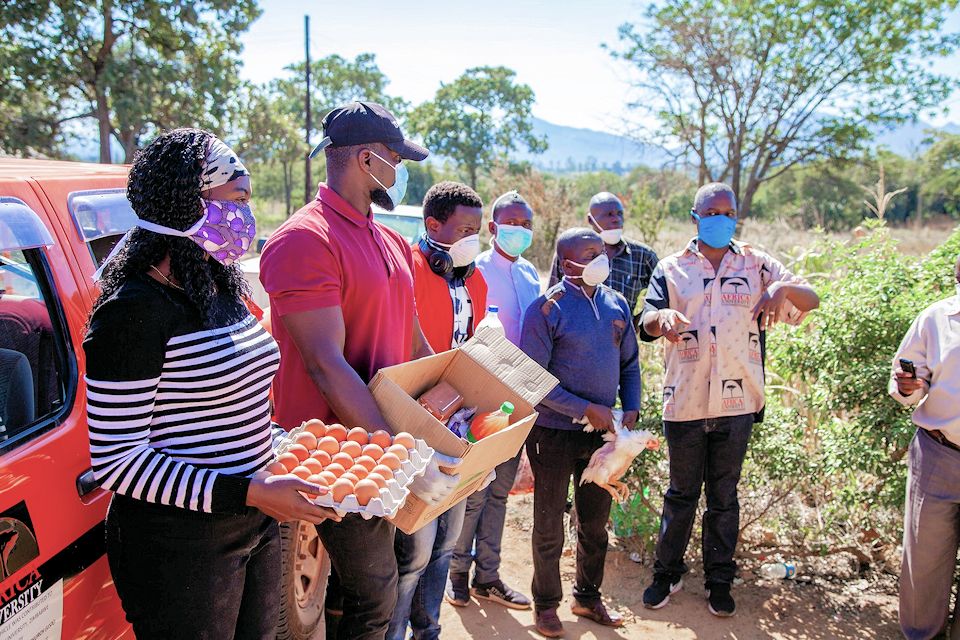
[{"x": 366, "y": 473}]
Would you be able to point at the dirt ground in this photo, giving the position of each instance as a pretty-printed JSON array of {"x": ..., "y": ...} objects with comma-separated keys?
[{"x": 813, "y": 609}]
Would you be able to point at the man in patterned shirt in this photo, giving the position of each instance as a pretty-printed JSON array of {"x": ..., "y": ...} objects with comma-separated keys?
[
  {"x": 631, "y": 262},
  {"x": 713, "y": 302}
]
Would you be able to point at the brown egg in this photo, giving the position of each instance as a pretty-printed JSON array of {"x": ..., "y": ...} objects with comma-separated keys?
[
  {"x": 373, "y": 450},
  {"x": 322, "y": 456},
  {"x": 319, "y": 479},
  {"x": 335, "y": 469},
  {"x": 307, "y": 439},
  {"x": 329, "y": 445},
  {"x": 351, "y": 477},
  {"x": 288, "y": 460},
  {"x": 405, "y": 439},
  {"x": 313, "y": 464},
  {"x": 300, "y": 451},
  {"x": 366, "y": 490},
  {"x": 376, "y": 477},
  {"x": 383, "y": 471},
  {"x": 351, "y": 448},
  {"x": 330, "y": 478},
  {"x": 359, "y": 470},
  {"x": 277, "y": 468},
  {"x": 343, "y": 459},
  {"x": 367, "y": 462},
  {"x": 341, "y": 489},
  {"x": 358, "y": 435},
  {"x": 381, "y": 438},
  {"x": 398, "y": 450},
  {"x": 337, "y": 431},
  {"x": 316, "y": 427},
  {"x": 302, "y": 472},
  {"x": 390, "y": 460}
]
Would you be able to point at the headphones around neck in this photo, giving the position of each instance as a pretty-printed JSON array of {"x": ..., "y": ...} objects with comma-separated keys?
[{"x": 440, "y": 261}]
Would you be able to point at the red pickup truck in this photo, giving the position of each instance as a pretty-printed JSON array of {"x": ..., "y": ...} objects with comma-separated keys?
[{"x": 58, "y": 221}]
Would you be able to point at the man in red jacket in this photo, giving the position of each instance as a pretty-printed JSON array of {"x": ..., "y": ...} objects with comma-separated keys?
[{"x": 451, "y": 298}]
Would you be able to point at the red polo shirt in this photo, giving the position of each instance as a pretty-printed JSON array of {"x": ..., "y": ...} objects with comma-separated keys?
[{"x": 328, "y": 254}]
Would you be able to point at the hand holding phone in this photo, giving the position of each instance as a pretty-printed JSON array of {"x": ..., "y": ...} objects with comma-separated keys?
[{"x": 907, "y": 366}]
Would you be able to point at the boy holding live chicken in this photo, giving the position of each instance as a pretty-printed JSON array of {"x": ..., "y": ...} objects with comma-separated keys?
[{"x": 581, "y": 331}]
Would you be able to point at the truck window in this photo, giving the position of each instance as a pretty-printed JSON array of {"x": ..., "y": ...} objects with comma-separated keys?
[
  {"x": 101, "y": 217},
  {"x": 35, "y": 372}
]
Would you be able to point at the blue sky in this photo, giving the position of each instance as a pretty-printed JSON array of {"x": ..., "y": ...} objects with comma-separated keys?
[{"x": 554, "y": 46}]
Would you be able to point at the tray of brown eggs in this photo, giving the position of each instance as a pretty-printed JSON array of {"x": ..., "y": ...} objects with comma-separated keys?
[{"x": 366, "y": 473}]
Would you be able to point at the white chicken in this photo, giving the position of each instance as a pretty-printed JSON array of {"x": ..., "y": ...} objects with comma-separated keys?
[{"x": 608, "y": 463}]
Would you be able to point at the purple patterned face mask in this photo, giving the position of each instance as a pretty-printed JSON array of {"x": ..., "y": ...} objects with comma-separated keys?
[{"x": 227, "y": 231}]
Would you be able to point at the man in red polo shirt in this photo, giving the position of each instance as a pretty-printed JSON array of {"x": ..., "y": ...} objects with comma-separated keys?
[
  {"x": 342, "y": 307},
  {"x": 451, "y": 299}
]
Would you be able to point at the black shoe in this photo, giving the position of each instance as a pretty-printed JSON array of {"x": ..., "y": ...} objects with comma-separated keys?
[
  {"x": 501, "y": 594},
  {"x": 458, "y": 589},
  {"x": 720, "y": 602},
  {"x": 658, "y": 594}
]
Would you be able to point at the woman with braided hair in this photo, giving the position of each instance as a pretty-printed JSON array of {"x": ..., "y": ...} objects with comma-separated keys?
[{"x": 178, "y": 375}]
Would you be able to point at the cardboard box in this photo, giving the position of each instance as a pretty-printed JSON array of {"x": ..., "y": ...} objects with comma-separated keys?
[{"x": 487, "y": 371}]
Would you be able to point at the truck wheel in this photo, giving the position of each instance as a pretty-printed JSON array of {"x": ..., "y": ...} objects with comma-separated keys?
[{"x": 306, "y": 566}]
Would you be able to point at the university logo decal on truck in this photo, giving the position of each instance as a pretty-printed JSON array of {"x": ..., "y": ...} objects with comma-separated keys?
[{"x": 31, "y": 599}]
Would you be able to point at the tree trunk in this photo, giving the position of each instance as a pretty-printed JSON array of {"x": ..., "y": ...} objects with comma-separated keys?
[
  {"x": 103, "y": 121},
  {"x": 100, "y": 91},
  {"x": 472, "y": 170},
  {"x": 128, "y": 139},
  {"x": 746, "y": 202}
]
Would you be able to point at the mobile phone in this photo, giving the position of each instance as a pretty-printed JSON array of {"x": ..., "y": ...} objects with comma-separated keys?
[{"x": 907, "y": 366}]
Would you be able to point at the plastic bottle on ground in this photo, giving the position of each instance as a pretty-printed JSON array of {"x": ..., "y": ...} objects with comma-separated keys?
[
  {"x": 778, "y": 571},
  {"x": 485, "y": 424},
  {"x": 492, "y": 319}
]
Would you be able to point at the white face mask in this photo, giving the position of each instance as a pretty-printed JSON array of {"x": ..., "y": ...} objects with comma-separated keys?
[
  {"x": 609, "y": 236},
  {"x": 463, "y": 251},
  {"x": 595, "y": 272}
]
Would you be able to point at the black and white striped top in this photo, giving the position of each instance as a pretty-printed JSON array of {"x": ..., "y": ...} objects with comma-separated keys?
[{"x": 178, "y": 414}]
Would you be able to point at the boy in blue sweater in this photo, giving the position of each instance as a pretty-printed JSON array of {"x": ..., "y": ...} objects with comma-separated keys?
[{"x": 581, "y": 331}]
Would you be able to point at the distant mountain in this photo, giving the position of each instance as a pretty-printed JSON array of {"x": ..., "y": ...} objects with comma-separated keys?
[
  {"x": 572, "y": 149},
  {"x": 908, "y": 139}
]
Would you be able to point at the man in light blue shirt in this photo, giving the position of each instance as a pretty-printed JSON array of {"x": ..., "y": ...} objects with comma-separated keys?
[{"x": 513, "y": 283}]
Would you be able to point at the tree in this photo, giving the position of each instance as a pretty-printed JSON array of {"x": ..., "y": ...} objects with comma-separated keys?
[
  {"x": 746, "y": 90},
  {"x": 941, "y": 163},
  {"x": 272, "y": 134},
  {"x": 132, "y": 65},
  {"x": 272, "y": 115},
  {"x": 478, "y": 118}
]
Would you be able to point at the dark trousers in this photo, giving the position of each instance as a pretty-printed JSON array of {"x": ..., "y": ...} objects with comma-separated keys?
[
  {"x": 361, "y": 552},
  {"x": 556, "y": 456},
  {"x": 188, "y": 575},
  {"x": 703, "y": 453}
]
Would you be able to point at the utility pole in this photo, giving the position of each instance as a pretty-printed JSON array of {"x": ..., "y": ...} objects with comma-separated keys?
[{"x": 308, "y": 179}]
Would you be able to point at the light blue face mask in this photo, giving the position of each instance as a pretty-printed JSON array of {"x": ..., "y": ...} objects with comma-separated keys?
[
  {"x": 513, "y": 240},
  {"x": 399, "y": 188},
  {"x": 715, "y": 231}
]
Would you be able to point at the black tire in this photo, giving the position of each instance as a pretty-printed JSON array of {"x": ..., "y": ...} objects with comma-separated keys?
[{"x": 306, "y": 566}]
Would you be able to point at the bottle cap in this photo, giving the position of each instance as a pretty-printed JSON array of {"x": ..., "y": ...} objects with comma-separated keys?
[
  {"x": 507, "y": 408},
  {"x": 493, "y": 309}
]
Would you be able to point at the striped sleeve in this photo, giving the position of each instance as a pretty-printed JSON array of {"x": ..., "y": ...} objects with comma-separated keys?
[
  {"x": 123, "y": 461},
  {"x": 125, "y": 348}
]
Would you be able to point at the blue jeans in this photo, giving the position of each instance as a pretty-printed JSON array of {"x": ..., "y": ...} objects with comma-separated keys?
[
  {"x": 483, "y": 523},
  {"x": 423, "y": 560},
  {"x": 703, "y": 453}
]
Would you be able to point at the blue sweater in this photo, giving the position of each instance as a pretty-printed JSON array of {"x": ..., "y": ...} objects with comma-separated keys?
[{"x": 589, "y": 345}]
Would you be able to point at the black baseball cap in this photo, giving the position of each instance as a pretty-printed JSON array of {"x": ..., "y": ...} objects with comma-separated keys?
[{"x": 363, "y": 123}]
